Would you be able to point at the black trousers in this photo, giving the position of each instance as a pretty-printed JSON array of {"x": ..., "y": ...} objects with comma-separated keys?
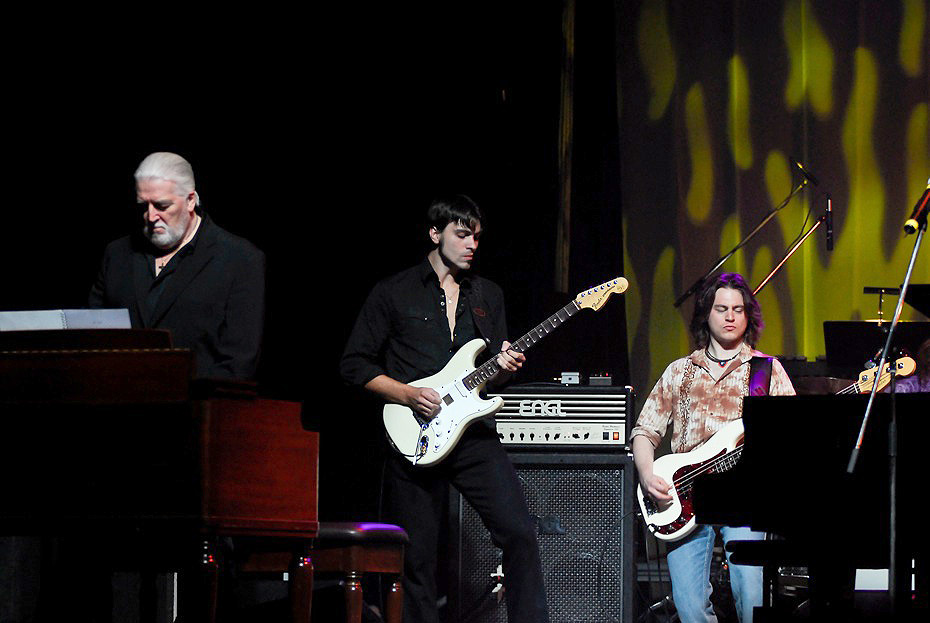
[{"x": 480, "y": 469}]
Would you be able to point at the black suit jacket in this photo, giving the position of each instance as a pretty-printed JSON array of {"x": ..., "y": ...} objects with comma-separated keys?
[{"x": 213, "y": 302}]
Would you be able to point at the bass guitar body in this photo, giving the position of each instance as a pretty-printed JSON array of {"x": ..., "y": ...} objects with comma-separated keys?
[{"x": 674, "y": 520}]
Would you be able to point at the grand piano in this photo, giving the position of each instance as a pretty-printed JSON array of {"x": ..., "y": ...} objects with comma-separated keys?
[
  {"x": 106, "y": 440},
  {"x": 792, "y": 482}
]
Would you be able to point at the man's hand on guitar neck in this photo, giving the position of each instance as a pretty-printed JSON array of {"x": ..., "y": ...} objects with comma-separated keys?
[{"x": 509, "y": 360}]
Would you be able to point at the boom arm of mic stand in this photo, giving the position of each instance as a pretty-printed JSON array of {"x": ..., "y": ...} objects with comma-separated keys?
[
  {"x": 790, "y": 252},
  {"x": 697, "y": 284}
]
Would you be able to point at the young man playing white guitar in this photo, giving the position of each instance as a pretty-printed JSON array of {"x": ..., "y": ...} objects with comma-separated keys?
[
  {"x": 700, "y": 394},
  {"x": 409, "y": 328}
]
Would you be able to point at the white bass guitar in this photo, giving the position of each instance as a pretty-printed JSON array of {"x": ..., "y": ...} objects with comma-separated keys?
[{"x": 459, "y": 383}]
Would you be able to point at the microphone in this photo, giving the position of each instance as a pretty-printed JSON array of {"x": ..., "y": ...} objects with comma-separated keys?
[
  {"x": 807, "y": 175},
  {"x": 664, "y": 602},
  {"x": 829, "y": 223},
  {"x": 919, "y": 215}
]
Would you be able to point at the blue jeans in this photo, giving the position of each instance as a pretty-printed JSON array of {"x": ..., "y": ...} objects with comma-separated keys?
[{"x": 689, "y": 567}]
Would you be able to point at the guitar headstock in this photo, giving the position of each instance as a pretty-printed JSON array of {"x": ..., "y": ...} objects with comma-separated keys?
[
  {"x": 905, "y": 366},
  {"x": 597, "y": 296}
]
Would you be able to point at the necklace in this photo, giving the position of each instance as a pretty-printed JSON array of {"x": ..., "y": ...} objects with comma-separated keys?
[{"x": 720, "y": 362}]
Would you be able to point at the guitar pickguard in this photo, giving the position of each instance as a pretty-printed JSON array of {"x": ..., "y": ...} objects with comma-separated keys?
[{"x": 676, "y": 520}]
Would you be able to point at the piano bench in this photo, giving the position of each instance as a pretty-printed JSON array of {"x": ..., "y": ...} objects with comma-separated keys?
[
  {"x": 350, "y": 549},
  {"x": 767, "y": 552},
  {"x": 357, "y": 548}
]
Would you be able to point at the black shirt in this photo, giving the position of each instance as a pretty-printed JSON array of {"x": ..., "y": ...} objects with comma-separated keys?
[
  {"x": 211, "y": 296},
  {"x": 156, "y": 283},
  {"x": 402, "y": 330}
]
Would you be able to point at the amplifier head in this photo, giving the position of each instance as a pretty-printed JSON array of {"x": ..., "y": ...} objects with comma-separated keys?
[{"x": 559, "y": 416}]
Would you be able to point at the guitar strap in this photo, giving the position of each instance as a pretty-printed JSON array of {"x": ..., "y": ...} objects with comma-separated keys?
[
  {"x": 478, "y": 308},
  {"x": 760, "y": 376}
]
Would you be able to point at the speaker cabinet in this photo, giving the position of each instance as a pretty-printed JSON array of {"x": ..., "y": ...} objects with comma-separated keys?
[{"x": 580, "y": 502}]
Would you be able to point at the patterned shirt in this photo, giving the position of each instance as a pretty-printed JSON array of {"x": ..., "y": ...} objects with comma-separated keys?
[{"x": 687, "y": 396}]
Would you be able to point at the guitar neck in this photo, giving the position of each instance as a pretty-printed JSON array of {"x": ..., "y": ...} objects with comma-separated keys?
[{"x": 488, "y": 369}]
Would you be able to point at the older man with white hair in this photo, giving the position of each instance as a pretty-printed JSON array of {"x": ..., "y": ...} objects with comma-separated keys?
[{"x": 182, "y": 272}]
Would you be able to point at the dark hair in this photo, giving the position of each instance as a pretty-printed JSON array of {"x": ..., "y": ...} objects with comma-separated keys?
[
  {"x": 454, "y": 209},
  {"x": 704, "y": 302}
]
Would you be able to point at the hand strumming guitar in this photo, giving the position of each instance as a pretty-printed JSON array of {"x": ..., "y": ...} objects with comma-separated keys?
[
  {"x": 423, "y": 400},
  {"x": 644, "y": 457}
]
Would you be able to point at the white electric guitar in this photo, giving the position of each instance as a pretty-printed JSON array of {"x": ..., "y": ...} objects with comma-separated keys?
[
  {"x": 459, "y": 383},
  {"x": 674, "y": 520}
]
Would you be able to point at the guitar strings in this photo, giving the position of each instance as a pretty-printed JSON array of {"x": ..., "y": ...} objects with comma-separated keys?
[
  {"x": 686, "y": 478},
  {"x": 855, "y": 388},
  {"x": 523, "y": 344},
  {"x": 852, "y": 389}
]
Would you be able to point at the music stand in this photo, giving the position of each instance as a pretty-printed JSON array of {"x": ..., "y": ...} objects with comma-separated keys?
[
  {"x": 918, "y": 297},
  {"x": 849, "y": 344}
]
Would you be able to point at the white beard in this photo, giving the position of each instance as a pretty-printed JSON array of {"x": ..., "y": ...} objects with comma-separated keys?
[{"x": 167, "y": 239}]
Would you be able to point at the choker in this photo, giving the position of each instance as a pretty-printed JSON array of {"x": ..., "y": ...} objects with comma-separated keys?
[{"x": 720, "y": 362}]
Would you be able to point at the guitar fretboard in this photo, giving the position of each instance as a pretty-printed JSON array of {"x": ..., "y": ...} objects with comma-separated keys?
[
  {"x": 488, "y": 369},
  {"x": 712, "y": 466},
  {"x": 728, "y": 460}
]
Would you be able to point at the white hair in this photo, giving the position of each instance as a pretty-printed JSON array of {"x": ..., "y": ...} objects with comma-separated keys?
[{"x": 168, "y": 166}]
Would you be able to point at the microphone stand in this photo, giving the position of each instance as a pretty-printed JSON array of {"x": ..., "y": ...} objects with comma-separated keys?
[
  {"x": 894, "y": 582},
  {"x": 697, "y": 284}
]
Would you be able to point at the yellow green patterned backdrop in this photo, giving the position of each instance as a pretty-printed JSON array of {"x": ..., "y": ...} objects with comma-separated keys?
[{"x": 716, "y": 97}]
